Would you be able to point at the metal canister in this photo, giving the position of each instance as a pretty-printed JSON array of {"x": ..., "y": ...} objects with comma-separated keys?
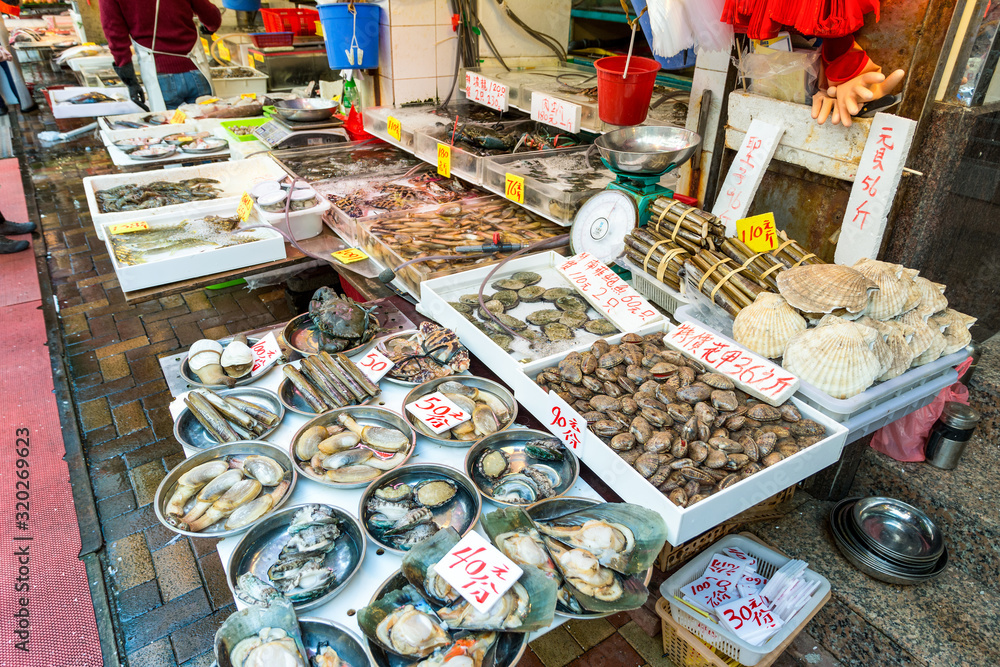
[{"x": 950, "y": 435}]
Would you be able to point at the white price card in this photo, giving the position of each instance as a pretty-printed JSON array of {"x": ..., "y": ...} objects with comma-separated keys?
[
  {"x": 485, "y": 91},
  {"x": 746, "y": 173},
  {"x": 751, "y": 373},
  {"x": 750, "y": 618},
  {"x": 437, "y": 412},
  {"x": 722, "y": 567},
  {"x": 478, "y": 571},
  {"x": 265, "y": 351},
  {"x": 555, "y": 112},
  {"x": 565, "y": 422},
  {"x": 608, "y": 293},
  {"x": 708, "y": 593},
  {"x": 750, "y": 584},
  {"x": 375, "y": 365},
  {"x": 738, "y": 554}
]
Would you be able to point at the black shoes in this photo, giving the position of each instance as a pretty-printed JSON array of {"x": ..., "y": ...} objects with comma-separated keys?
[
  {"x": 8, "y": 227},
  {"x": 10, "y": 245}
]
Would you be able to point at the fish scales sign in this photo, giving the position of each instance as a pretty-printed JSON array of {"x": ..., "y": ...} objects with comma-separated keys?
[{"x": 751, "y": 373}]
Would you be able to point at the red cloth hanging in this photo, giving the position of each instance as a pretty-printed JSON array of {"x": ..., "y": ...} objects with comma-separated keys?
[{"x": 764, "y": 19}]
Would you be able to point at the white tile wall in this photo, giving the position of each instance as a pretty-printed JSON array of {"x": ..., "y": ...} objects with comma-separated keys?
[
  {"x": 414, "y": 90},
  {"x": 412, "y": 12},
  {"x": 386, "y": 91},
  {"x": 446, "y": 43},
  {"x": 417, "y": 49},
  {"x": 413, "y": 51}
]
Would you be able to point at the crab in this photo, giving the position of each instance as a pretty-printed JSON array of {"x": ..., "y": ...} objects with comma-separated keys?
[
  {"x": 433, "y": 352},
  {"x": 342, "y": 322}
]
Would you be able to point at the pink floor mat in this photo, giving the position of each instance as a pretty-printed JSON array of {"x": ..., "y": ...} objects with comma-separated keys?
[{"x": 18, "y": 272}]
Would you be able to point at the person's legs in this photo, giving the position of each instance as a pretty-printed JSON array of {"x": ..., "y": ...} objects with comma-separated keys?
[
  {"x": 171, "y": 89},
  {"x": 6, "y": 227},
  {"x": 5, "y": 66},
  {"x": 195, "y": 86}
]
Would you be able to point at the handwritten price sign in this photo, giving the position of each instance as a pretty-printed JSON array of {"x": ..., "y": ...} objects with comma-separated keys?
[
  {"x": 608, "y": 293},
  {"x": 178, "y": 117},
  {"x": 485, "y": 91},
  {"x": 746, "y": 173},
  {"x": 246, "y": 205},
  {"x": 565, "y": 422},
  {"x": 722, "y": 567},
  {"x": 444, "y": 160},
  {"x": 478, "y": 571},
  {"x": 126, "y": 227},
  {"x": 753, "y": 374},
  {"x": 348, "y": 255},
  {"x": 555, "y": 112},
  {"x": 709, "y": 592},
  {"x": 437, "y": 412},
  {"x": 375, "y": 365},
  {"x": 513, "y": 188},
  {"x": 265, "y": 352},
  {"x": 394, "y": 128},
  {"x": 750, "y": 618},
  {"x": 758, "y": 232}
]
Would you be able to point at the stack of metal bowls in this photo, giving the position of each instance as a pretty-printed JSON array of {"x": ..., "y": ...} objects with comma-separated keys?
[{"x": 888, "y": 539}]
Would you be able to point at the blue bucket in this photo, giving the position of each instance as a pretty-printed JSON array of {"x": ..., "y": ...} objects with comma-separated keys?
[
  {"x": 242, "y": 5},
  {"x": 341, "y": 28}
]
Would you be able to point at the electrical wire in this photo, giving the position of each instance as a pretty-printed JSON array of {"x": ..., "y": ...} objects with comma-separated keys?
[{"x": 547, "y": 40}]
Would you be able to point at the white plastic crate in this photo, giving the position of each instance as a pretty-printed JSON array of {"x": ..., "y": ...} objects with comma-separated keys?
[
  {"x": 655, "y": 290},
  {"x": 719, "y": 637},
  {"x": 882, "y": 414},
  {"x": 232, "y": 87}
]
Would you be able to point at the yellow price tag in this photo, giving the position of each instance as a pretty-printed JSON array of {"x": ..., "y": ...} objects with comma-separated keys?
[
  {"x": 259, "y": 57},
  {"x": 394, "y": 127},
  {"x": 249, "y": 60},
  {"x": 89, "y": 44},
  {"x": 758, "y": 232},
  {"x": 209, "y": 100},
  {"x": 248, "y": 96},
  {"x": 224, "y": 52},
  {"x": 513, "y": 188},
  {"x": 204, "y": 44},
  {"x": 178, "y": 117},
  {"x": 444, "y": 160},
  {"x": 126, "y": 227},
  {"x": 246, "y": 205},
  {"x": 349, "y": 255},
  {"x": 215, "y": 37}
]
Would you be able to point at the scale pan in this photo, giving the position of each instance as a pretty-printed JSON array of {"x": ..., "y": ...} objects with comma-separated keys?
[
  {"x": 305, "y": 109},
  {"x": 649, "y": 150}
]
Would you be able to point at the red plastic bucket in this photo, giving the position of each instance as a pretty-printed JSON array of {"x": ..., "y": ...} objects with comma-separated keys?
[{"x": 625, "y": 101}]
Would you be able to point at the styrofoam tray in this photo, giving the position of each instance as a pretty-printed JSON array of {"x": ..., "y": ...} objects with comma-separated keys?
[
  {"x": 234, "y": 179},
  {"x": 123, "y": 159},
  {"x": 656, "y": 291},
  {"x": 183, "y": 267},
  {"x": 64, "y": 110},
  {"x": 769, "y": 561},
  {"x": 411, "y": 119},
  {"x": 111, "y": 136}
]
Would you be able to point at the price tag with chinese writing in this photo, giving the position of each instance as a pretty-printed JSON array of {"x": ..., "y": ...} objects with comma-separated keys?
[
  {"x": 437, "y": 412},
  {"x": 348, "y": 255},
  {"x": 758, "y": 232},
  {"x": 740, "y": 555},
  {"x": 224, "y": 51},
  {"x": 746, "y": 172},
  {"x": 265, "y": 352},
  {"x": 394, "y": 127},
  {"x": 178, "y": 117},
  {"x": 374, "y": 365},
  {"x": 444, "y": 160},
  {"x": 722, "y": 567},
  {"x": 126, "y": 227},
  {"x": 565, "y": 422},
  {"x": 709, "y": 592},
  {"x": 478, "y": 571},
  {"x": 608, "y": 293},
  {"x": 248, "y": 96},
  {"x": 485, "y": 91},
  {"x": 513, "y": 188},
  {"x": 751, "y": 373},
  {"x": 750, "y": 584},
  {"x": 555, "y": 112},
  {"x": 204, "y": 44},
  {"x": 750, "y": 618},
  {"x": 245, "y": 207}
]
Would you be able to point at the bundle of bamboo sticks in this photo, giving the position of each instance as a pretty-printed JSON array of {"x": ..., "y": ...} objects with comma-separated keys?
[
  {"x": 722, "y": 279},
  {"x": 790, "y": 253},
  {"x": 688, "y": 227},
  {"x": 656, "y": 255}
]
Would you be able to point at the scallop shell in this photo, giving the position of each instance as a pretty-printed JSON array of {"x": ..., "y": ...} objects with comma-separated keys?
[
  {"x": 896, "y": 336},
  {"x": 956, "y": 327},
  {"x": 893, "y": 287},
  {"x": 922, "y": 334},
  {"x": 836, "y": 359},
  {"x": 873, "y": 336},
  {"x": 766, "y": 325},
  {"x": 913, "y": 298},
  {"x": 932, "y": 299},
  {"x": 937, "y": 345},
  {"x": 237, "y": 359},
  {"x": 823, "y": 288}
]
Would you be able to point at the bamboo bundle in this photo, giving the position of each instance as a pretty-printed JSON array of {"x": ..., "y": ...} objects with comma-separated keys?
[
  {"x": 761, "y": 267},
  {"x": 720, "y": 278},
  {"x": 790, "y": 253},
  {"x": 656, "y": 256},
  {"x": 682, "y": 223}
]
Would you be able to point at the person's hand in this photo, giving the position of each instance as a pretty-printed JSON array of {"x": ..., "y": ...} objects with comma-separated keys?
[
  {"x": 822, "y": 105},
  {"x": 853, "y": 94},
  {"x": 127, "y": 74}
]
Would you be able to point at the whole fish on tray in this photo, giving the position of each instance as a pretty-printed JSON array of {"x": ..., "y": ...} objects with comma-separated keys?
[
  {"x": 92, "y": 98},
  {"x": 198, "y": 235}
]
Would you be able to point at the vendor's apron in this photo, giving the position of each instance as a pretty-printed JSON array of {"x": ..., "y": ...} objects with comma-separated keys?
[{"x": 147, "y": 65}]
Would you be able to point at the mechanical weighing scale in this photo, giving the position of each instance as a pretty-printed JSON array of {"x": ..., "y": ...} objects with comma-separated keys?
[{"x": 639, "y": 157}]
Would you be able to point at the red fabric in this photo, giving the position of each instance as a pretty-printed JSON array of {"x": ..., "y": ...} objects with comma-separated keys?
[
  {"x": 10, "y": 8},
  {"x": 842, "y": 60},
  {"x": 175, "y": 32},
  {"x": 764, "y": 19}
]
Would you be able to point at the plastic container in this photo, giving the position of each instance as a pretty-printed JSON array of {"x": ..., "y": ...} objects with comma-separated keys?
[
  {"x": 351, "y": 39},
  {"x": 411, "y": 120},
  {"x": 243, "y": 122},
  {"x": 625, "y": 101},
  {"x": 231, "y": 87},
  {"x": 655, "y": 290},
  {"x": 712, "y": 633},
  {"x": 302, "y": 199},
  {"x": 296, "y": 21},
  {"x": 242, "y": 5},
  {"x": 270, "y": 40},
  {"x": 272, "y": 201},
  {"x": 464, "y": 164},
  {"x": 303, "y": 224}
]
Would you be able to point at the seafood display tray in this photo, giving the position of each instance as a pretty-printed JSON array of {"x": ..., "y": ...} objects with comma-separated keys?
[
  {"x": 172, "y": 269},
  {"x": 873, "y": 403},
  {"x": 436, "y": 293},
  {"x": 111, "y": 136},
  {"x": 122, "y": 159},
  {"x": 104, "y": 122},
  {"x": 556, "y": 200},
  {"x": 656, "y": 291},
  {"x": 62, "y": 109},
  {"x": 464, "y": 164},
  {"x": 411, "y": 120},
  {"x": 234, "y": 179},
  {"x": 686, "y": 523}
]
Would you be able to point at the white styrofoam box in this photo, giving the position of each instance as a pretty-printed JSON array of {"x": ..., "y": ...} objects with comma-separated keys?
[
  {"x": 62, "y": 109},
  {"x": 123, "y": 159},
  {"x": 715, "y": 634},
  {"x": 410, "y": 120},
  {"x": 231, "y": 87},
  {"x": 850, "y": 408},
  {"x": 183, "y": 267},
  {"x": 656, "y": 291},
  {"x": 91, "y": 62},
  {"x": 234, "y": 179},
  {"x": 303, "y": 224}
]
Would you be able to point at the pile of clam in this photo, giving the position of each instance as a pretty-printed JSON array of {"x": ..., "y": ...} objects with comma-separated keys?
[
  {"x": 688, "y": 431},
  {"x": 218, "y": 365},
  {"x": 349, "y": 453},
  {"x": 872, "y": 322}
]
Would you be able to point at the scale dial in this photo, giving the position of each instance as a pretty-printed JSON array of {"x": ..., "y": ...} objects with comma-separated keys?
[{"x": 602, "y": 223}]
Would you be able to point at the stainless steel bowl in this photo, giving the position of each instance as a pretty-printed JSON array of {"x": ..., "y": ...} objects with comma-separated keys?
[
  {"x": 305, "y": 109},
  {"x": 319, "y": 632},
  {"x": 193, "y": 380},
  {"x": 189, "y": 431},
  {"x": 897, "y": 529},
  {"x": 302, "y": 335},
  {"x": 292, "y": 399},
  {"x": 461, "y": 512},
  {"x": 511, "y": 443},
  {"x": 364, "y": 415},
  {"x": 243, "y": 448},
  {"x": 213, "y": 144},
  {"x": 483, "y": 384},
  {"x": 259, "y": 547},
  {"x": 160, "y": 151},
  {"x": 647, "y": 149}
]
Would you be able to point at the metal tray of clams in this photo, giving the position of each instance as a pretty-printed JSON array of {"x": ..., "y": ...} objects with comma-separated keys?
[
  {"x": 485, "y": 408},
  {"x": 279, "y": 491},
  {"x": 189, "y": 431},
  {"x": 521, "y": 466},
  {"x": 402, "y": 495},
  {"x": 318, "y": 633},
  {"x": 260, "y": 549}
]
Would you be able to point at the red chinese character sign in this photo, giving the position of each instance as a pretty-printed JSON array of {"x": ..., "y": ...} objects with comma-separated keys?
[
  {"x": 874, "y": 189},
  {"x": 265, "y": 353},
  {"x": 751, "y": 373},
  {"x": 437, "y": 412},
  {"x": 565, "y": 423},
  {"x": 375, "y": 365},
  {"x": 555, "y": 112},
  {"x": 608, "y": 293},
  {"x": 478, "y": 571},
  {"x": 745, "y": 173},
  {"x": 485, "y": 91}
]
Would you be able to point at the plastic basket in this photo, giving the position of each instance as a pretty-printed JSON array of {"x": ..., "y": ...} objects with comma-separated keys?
[
  {"x": 714, "y": 634},
  {"x": 243, "y": 122},
  {"x": 298, "y": 21},
  {"x": 655, "y": 290},
  {"x": 267, "y": 40}
]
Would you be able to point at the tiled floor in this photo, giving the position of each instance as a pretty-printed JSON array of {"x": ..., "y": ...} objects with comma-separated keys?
[{"x": 168, "y": 592}]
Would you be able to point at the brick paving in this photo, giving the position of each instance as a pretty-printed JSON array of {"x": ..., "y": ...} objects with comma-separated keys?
[{"x": 168, "y": 592}]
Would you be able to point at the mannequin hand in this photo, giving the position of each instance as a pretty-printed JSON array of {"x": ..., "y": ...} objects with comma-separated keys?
[
  {"x": 822, "y": 105},
  {"x": 855, "y": 93},
  {"x": 127, "y": 74}
]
